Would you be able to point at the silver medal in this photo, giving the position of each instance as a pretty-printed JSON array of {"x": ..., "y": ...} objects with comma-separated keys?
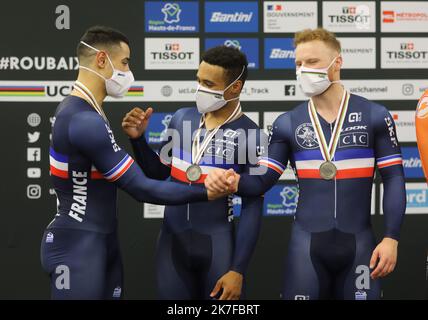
[
  {"x": 328, "y": 170},
  {"x": 193, "y": 173}
]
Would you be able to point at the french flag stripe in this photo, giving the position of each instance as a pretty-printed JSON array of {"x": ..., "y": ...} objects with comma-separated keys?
[
  {"x": 115, "y": 173},
  {"x": 272, "y": 166},
  {"x": 394, "y": 156},
  {"x": 58, "y": 156},
  {"x": 58, "y": 173},
  {"x": 58, "y": 164},
  {"x": 181, "y": 175},
  {"x": 341, "y": 174},
  {"x": 390, "y": 162},
  {"x": 279, "y": 164},
  {"x": 95, "y": 174},
  {"x": 340, "y": 165}
]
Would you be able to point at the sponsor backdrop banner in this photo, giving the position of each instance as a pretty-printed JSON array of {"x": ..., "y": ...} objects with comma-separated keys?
[{"x": 385, "y": 53}]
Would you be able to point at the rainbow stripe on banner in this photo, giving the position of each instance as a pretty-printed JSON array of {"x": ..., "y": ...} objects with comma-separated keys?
[
  {"x": 22, "y": 91},
  {"x": 135, "y": 91}
]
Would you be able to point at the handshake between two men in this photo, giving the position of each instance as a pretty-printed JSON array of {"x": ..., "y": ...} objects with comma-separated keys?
[{"x": 219, "y": 182}]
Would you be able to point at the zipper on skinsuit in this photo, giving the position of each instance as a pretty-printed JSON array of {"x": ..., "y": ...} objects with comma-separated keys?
[
  {"x": 335, "y": 182},
  {"x": 188, "y": 209}
]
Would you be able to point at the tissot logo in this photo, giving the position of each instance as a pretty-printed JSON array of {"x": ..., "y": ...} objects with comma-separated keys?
[
  {"x": 349, "y": 15},
  {"x": 349, "y": 10},
  {"x": 407, "y": 46},
  {"x": 407, "y": 51},
  {"x": 404, "y": 52},
  {"x": 172, "y": 47},
  {"x": 161, "y": 53}
]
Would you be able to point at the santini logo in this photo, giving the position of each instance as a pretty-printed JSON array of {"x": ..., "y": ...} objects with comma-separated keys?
[{"x": 231, "y": 17}]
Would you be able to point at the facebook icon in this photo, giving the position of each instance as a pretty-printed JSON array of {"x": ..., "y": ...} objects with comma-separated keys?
[
  {"x": 290, "y": 90},
  {"x": 33, "y": 154}
]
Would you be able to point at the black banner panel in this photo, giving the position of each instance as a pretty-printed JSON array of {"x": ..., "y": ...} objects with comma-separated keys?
[{"x": 385, "y": 54}]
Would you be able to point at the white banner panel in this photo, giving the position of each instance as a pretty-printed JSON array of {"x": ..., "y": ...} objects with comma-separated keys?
[
  {"x": 349, "y": 16},
  {"x": 289, "y": 16},
  {"x": 404, "y": 16},
  {"x": 184, "y": 91},
  {"x": 358, "y": 53}
]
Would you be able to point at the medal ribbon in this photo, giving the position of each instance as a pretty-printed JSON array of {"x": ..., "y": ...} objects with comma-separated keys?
[
  {"x": 197, "y": 148},
  {"x": 88, "y": 95},
  {"x": 329, "y": 151}
]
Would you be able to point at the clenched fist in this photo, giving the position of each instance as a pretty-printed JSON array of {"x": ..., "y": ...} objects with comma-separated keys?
[{"x": 135, "y": 122}]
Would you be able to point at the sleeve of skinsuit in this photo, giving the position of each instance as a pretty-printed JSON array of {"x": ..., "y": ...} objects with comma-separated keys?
[
  {"x": 247, "y": 233},
  {"x": 422, "y": 131},
  {"x": 390, "y": 165},
  {"x": 251, "y": 210},
  {"x": 155, "y": 166},
  {"x": 271, "y": 164},
  {"x": 92, "y": 137}
]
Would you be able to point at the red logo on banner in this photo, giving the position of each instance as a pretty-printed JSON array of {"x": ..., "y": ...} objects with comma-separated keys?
[{"x": 388, "y": 16}]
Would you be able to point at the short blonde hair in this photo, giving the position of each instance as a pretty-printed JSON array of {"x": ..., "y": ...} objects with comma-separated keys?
[{"x": 329, "y": 38}]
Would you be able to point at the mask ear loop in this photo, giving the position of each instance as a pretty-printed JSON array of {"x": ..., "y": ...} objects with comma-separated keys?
[
  {"x": 331, "y": 63},
  {"x": 97, "y": 50},
  {"x": 326, "y": 68},
  {"x": 242, "y": 72}
]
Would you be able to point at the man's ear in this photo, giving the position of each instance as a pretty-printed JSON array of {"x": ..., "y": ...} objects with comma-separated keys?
[
  {"x": 338, "y": 63},
  {"x": 101, "y": 59},
  {"x": 237, "y": 87}
]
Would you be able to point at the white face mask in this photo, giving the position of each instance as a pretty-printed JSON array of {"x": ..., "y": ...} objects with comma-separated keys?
[
  {"x": 208, "y": 100},
  {"x": 119, "y": 83},
  {"x": 314, "y": 81}
]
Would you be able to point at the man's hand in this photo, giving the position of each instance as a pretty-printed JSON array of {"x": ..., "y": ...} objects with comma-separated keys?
[
  {"x": 221, "y": 181},
  {"x": 135, "y": 122},
  {"x": 231, "y": 179},
  {"x": 231, "y": 283},
  {"x": 386, "y": 253}
]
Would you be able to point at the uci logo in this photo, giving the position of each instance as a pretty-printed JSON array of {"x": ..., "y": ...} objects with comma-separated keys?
[
  {"x": 53, "y": 91},
  {"x": 305, "y": 136}
]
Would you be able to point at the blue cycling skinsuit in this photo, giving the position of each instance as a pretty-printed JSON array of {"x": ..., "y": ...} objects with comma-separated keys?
[
  {"x": 197, "y": 242},
  {"x": 332, "y": 241},
  {"x": 80, "y": 249}
]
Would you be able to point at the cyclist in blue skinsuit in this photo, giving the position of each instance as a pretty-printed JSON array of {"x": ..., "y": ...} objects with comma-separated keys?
[
  {"x": 80, "y": 249},
  {"x": 333, "y": 143},
  {"x": 198, "y": 252}
]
